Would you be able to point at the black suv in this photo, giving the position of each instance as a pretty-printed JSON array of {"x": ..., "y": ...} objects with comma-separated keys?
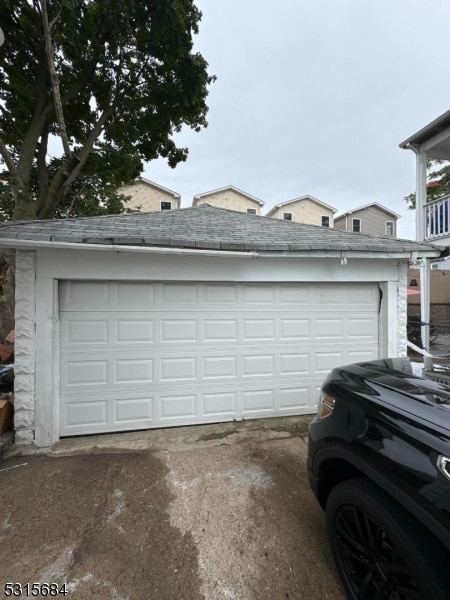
[{"x": 379, "y": 465}]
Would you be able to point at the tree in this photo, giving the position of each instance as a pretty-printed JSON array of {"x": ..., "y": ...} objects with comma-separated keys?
[
  {"x": 438, "y": 182},
  {"x": 110, "y": 81},
  {"x": 94, "y": 191}
]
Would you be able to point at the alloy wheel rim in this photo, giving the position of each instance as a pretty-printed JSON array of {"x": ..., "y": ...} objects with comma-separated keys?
[{"x": 370, "y": 562}]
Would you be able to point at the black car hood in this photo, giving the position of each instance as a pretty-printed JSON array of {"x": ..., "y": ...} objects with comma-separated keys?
[{"x": 426, "y": 399}]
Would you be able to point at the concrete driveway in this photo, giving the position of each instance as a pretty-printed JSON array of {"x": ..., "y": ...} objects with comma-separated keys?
[{"x": 213, "y": 512}]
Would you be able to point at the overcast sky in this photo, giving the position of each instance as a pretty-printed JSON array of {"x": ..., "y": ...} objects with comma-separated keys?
[{"x": 314, "y": 97}]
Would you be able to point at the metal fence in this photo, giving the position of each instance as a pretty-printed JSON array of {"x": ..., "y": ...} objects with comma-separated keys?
[{"x": 433, "y": 338}]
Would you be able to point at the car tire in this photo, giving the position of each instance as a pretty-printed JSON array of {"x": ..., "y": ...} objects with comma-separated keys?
[{"x": 380, "y": 550}]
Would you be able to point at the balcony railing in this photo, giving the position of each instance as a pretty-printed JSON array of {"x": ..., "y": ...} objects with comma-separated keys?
[{"x": 437, "y": 218}]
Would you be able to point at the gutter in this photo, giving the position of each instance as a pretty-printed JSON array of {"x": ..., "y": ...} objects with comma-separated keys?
[
  {"x": 411, "y": 255},
  {"x": 37, "y": 245}
]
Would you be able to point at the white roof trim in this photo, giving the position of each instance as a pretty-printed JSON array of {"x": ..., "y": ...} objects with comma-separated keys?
[
  {"x": 380, "y": 206},
  {"x": 436, "y": 126},
  {"x": 224, "y": 189},
  {"x": 37, "y": 244},
  {"x": 153, "y": 184},
  {"x": 299, "y": 199}
]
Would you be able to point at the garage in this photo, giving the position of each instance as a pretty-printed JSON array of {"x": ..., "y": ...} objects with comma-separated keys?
[
  {"x": 142, "y": 355},
  {"x": 191, "y": 316}
]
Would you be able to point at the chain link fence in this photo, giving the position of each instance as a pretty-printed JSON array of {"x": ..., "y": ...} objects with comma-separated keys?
[{"x": 432, "y": 337}]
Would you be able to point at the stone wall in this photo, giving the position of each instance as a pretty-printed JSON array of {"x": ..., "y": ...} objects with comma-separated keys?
[{"x": 25, "y": 347}]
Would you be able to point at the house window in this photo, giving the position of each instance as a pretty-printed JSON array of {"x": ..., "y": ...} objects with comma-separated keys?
[
  {"x": 325, "y": 221},
  {"x": 356, "y": 225},
  {"x": 389, "y": 227},
  {"x": 166, "y": 205},
  {"x": 251, "y": 211},
  {"x": 413, "y": 283},
  {"x": 287, "y": 216}
]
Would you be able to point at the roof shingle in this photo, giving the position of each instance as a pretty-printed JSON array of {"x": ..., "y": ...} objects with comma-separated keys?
[{"x": 204, "y": 227}]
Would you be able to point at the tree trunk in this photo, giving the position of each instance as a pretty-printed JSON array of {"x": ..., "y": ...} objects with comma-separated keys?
[
  {"x": 25, "y": 207},
  {"x": 7, "y": 282}
]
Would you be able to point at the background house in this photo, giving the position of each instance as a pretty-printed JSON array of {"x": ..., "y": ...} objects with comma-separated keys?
[
  {"x": 374, "y": 219},
  {"x": 231, "y": 198},
  {"x": 148, "y": 196},
  {"x": 305, "y": 209}
]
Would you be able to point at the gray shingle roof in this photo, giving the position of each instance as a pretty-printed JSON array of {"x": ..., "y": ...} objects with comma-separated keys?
[{"x": 202, "y": 227}]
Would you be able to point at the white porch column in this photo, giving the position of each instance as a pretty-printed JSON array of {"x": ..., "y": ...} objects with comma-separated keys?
[
  {"x": 421, "y": 231},
  {"x": 421, "y": 194},
  {"x": 425, "y": 300}
]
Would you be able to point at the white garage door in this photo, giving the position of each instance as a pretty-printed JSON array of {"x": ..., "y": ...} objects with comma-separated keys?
[{"x": 143, "y": 355}]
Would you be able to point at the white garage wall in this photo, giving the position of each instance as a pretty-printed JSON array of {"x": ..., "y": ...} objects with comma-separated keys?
[{"x": 52, "y": 266}]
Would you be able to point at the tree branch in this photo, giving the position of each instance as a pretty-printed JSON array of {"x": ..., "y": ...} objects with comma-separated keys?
[
  {"x": 34, "y": 132},
  {"x": 10, "y": 118},
  {"x": 42, "y": 168},
  {"x": 54, "y": 78},
  {"x": 55, "y": 19},
  {"x": 71, "y": 167},
  {"x": 8, "y": 160},
  {"x": 83, "y": 154}
]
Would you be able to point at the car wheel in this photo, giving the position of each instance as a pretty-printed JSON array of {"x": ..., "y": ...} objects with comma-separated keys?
[{"x": 380, "y": 550}]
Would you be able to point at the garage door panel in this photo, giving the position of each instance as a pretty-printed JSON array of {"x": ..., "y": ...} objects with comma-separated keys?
[
  {"x": 129, "y": 410},
  {"x": 258, "y": 294},
  {"x": 362, "y": 328},
  {"x": 86, "y": 331},
  {"x": 80, "y": 295},
  {"x": 295, "y": 329},
  {"x": 324, "y": 362},
  {"x": 218, "y": 367},
  {"x": 155, "y": 354},
  {"x": 132, "y": 370},
  {"x": 225, "y": 294},
  {"x": 180, "y": 294},
  {"x": 87, "y": 414},
  {"x": 258, "y": 401},
  {"x": 259, "y": 329},
  {"x": 219, "y": 404},
  {"x": 328, "y": 294},
  {"x": 258, "y": 366},
  {"x": 294, "y": 364},
  {"x": 133, "y": 331},
  {"x": 178, "y": 369},
  {"x": 294, "y": 398},
  {"x": 220, "y": 330},
  {"x": 362, "y": 296},
  {"x": 177, "y": 406},
  {"x": 296, "y": 294},
  {"x": 178, "y": 330},
  {"x": 83, "y": 373},
  {"x": 328, "y": 328},
  {"x": 133, "y": 294}
]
